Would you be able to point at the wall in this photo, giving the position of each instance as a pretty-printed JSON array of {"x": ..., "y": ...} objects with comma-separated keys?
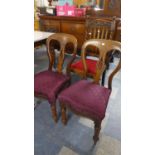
[{"x": 77, "y": 2}]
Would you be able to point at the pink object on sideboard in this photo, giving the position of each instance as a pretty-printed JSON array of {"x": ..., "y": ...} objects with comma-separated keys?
[
  {"x": 65, "y": 10},
  {"x": 71, "y": 10},
  {"x": 80, "y": 11},
  {"x": 61, "y": 10}
]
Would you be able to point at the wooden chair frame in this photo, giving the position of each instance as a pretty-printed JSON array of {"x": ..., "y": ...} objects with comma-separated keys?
[
  {"x": 63, "y": 40},
  {"x": 105, "y": 47}
]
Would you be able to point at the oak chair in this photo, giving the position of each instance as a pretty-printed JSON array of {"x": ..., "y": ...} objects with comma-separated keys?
[
  {"x": 89, "y": 99},
  {"x": 49, "y": 83}
]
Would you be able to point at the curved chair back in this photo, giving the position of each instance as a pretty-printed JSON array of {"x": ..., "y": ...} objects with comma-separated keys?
[
  {"x": 63, "y": 40},
  {"x": 104, "y": 46}
]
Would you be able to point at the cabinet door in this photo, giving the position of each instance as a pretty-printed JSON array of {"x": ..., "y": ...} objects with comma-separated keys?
[
  {"x": 50, "y": 25},
  {"x": 72, "y": 28}
]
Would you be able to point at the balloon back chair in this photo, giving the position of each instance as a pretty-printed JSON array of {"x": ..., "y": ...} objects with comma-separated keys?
[
  {"x": 86, "y": 98},
  {"x": 48, "y": 83},
  {"x": 96, "y": 28}
]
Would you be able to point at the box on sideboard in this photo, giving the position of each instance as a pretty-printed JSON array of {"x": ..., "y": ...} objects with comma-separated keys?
[{"x": 69, "y": 10}]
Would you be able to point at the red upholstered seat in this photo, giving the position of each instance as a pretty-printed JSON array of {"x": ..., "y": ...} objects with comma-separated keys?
[
  {"x": 91, "y": 64},
  {"x": 86, "y": 98},
  {"x": 49, "y": 84}
]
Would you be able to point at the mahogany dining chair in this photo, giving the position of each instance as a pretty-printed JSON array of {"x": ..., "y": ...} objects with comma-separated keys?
[
  {"x": 49, "y": 83},
  {"x": 87, "y": 98}
]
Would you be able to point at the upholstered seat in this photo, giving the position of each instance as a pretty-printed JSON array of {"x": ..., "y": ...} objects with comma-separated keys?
[
  {"x": 90, "y": 63},
  {"x": 49, "y": 83},
  {"x": 86, "y": 98}
]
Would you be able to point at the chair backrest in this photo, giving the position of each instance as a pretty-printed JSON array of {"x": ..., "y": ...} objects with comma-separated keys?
[
  {"x": 63, "y": 40},
  {"x": 104, "y": 47},
  {"x": 100, "y": 28}
]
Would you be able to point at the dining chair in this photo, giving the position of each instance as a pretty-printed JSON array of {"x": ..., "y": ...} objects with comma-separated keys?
[
  {"x": 49, "y": 83},
  {"x": 87, "y": 98},
  {"x": 100, "y": 28},
  {"x": 96, "y": 28},
  {"x": 79, "y": 66}
]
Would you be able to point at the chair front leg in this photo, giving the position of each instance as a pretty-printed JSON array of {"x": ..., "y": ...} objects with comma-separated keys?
[
  {"x": 54, "y": 113},
  {"x": 63, "y": 114},
  {"x": 97, "y": 128}
]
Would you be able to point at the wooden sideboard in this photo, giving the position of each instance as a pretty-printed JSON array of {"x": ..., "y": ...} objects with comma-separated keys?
[{"x": 71, "y": 25}]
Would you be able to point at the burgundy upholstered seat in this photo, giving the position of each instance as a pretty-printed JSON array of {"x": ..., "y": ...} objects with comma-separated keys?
[
  {"x": 87, "y": 98},
  {"x": 49, "y": 84}
]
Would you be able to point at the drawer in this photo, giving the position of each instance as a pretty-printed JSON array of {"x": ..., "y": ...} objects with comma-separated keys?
[
  {"x": 50, "y": 25},
  {"x": 72, "y": 28},
  {"x": 50, "y": 22}
]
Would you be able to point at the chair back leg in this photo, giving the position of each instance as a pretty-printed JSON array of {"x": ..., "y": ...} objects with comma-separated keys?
[
  {"x": 97, "y": 128},
  {"x": 54, "y": 113},
  {"x": 63, "y": 114}
]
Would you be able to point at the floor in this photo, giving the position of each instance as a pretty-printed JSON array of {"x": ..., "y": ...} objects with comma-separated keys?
[{"x": 76, "y": 137}]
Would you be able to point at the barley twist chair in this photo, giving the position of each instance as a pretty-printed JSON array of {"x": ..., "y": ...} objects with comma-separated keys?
[
  {"x": 89, "y": 99},
  {"x": 49, "y": 83}
]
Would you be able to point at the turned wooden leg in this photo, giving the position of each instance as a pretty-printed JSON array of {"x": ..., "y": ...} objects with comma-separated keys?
[
  {"x": 54, "y": 112},
  {"x": 63, "y": 114},
  {"x": 97, "y": 127}
]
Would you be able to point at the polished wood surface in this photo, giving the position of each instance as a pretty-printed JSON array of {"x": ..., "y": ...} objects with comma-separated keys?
[
  {"x": 68, "y": 18},
  {"x": 63, "y": 39},
  {"x": 71, "y": 25},
  {"x": 77, "y": 25},
  {"x": 104, "y": 47}
]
